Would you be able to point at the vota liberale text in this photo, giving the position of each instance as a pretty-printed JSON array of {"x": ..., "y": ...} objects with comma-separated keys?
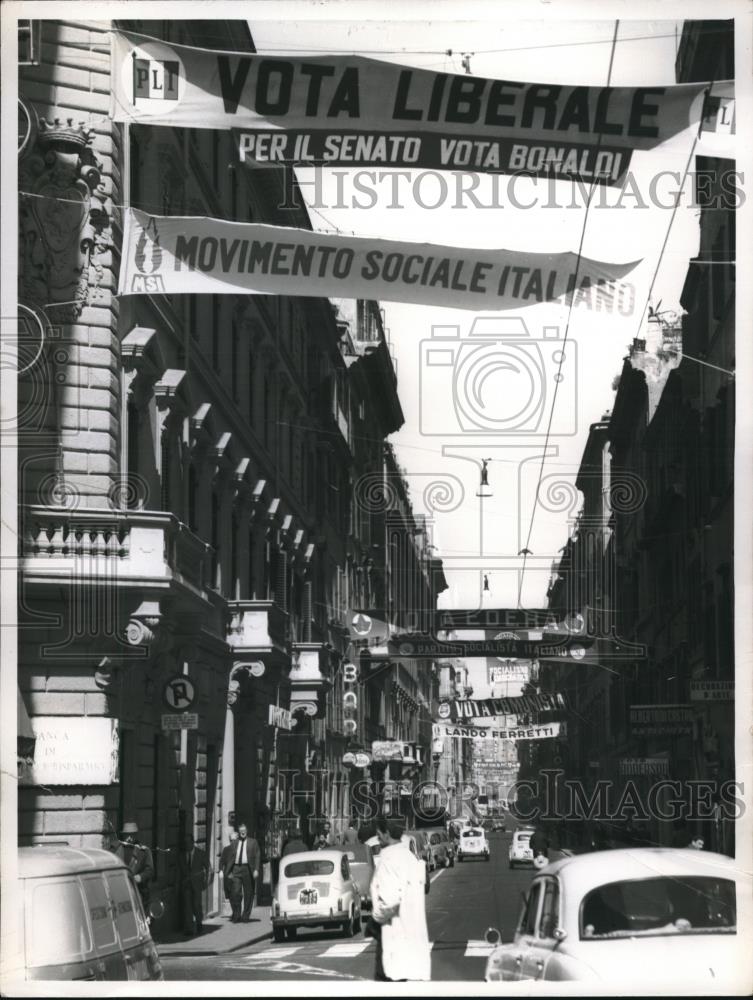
[
  {"x": 333, "y": 91},
  {"x": 320, "y": 261}
]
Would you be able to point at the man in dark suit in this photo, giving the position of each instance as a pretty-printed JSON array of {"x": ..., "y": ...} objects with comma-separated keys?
[
  {"x": 226, "y": 862},
  {"x": 138, "y": 858},
  {"x": 242, "y": 875},
  {"x": 193, "y": 875}
]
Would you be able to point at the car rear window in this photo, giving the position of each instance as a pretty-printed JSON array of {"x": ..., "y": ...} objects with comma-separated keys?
[
  {"x": 357, "y": 854},
  {"x": 313, "y": 866},
  {"x": 125, "y": 913},
  {"x": 472, "y": 833},
  {"x": 522, "y": 838},
  {"x": 98, "y": 903},
  {"x": 658, "y": 906},
  {"x": 57, "y": 930}
]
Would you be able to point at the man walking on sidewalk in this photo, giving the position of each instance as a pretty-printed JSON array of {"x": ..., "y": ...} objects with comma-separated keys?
[
  {"x": 243, "y": 874},
  {"x": 399, "y": 910},
  {"x": 193, "y": 875}
]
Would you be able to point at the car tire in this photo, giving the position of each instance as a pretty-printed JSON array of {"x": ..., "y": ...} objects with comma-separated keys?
[
  {"x": 292, "y": 933},
  {"x": 357, "y": 924},
  {"x": 349, "y": 927},
  {"x": 278, "y": 934}
]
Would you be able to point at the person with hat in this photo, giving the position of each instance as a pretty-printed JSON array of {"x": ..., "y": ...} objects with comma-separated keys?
[{"x": 138, "y": 858}]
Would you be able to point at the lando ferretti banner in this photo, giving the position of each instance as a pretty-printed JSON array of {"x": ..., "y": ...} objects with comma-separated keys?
[
  {"x": 196, "y": 255},
  {"x": 352, "y": 111},
  {"x": 539, "y": 732}
]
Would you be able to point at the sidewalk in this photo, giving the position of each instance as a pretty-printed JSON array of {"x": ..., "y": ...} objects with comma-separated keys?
[{"x": 219, "y": 936}]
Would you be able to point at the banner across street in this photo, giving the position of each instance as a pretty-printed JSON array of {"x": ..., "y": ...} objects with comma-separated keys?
[
  {"x": 354, "y": 111},
  {"x": 177, "y": 254}
]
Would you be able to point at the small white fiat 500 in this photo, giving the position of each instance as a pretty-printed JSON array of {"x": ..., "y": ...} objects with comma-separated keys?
[
  {"x": 648, "y": 919},
  {"x": 315, "y": 889},
  {"x": 473, "y": 844},
  {"x": 520, "y": 848}
]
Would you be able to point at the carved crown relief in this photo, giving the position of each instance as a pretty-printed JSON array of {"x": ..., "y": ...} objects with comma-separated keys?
[{"x": 64, "y": 229}]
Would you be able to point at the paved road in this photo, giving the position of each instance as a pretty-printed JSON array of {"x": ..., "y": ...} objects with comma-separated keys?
[{"x": 463, "y": 902}]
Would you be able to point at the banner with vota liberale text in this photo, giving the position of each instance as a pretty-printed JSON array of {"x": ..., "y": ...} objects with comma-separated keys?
[
  {"x": 197, "y": 255},
  {"x": 344, "y": 110}
]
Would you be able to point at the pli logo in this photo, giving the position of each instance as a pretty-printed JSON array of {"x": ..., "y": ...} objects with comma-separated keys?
[{"x": 155, "y": 79}]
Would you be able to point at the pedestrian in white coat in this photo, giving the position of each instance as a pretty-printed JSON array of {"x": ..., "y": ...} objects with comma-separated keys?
[{"x": 399, "y": 908}]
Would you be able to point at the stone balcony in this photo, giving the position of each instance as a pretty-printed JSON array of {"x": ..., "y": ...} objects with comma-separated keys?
[
  {"x": 309, "y": 678},
  {"x": 124, "y": 548},
  {"x": 259, "y": 635}
]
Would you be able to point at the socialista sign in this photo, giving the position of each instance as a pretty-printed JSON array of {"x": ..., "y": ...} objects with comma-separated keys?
[
  {"x": 172, "y": 255},
  {"x": 467, "y": 708},
  {"x": 353, "y": 111}
]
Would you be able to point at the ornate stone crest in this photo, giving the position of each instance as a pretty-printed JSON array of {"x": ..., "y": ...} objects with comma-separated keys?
[{"x": 63, "y": 226}]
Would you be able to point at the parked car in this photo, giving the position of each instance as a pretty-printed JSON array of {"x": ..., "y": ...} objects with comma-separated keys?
[
  {"x": 417, "y": 846},
  {"x": 520, "y": 848},
  {"x": 637, "y": 917},
  {"x": 498, "y": 826},
  {"x": 82, "y": 917},
  {"x": 441, "y": 852},
  {"x": 361, "y": 861},
  {"x": 473, "y": 844},
  {"x": 316, "y": 889}
]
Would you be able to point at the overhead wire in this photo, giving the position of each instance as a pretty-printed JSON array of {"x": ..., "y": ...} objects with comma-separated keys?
[{"x": 527, "y": 545}]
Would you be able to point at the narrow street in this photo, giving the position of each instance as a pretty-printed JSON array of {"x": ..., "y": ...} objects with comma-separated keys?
[{"x": 463, "y": 902}]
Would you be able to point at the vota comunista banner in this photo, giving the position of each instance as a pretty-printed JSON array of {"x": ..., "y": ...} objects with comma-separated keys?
[
  {"x": 198, "y": 255},
  {"x": 350, "y": 111}
]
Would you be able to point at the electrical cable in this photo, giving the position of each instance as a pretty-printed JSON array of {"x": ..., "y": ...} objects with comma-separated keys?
[{"x": 527, "y": 545}]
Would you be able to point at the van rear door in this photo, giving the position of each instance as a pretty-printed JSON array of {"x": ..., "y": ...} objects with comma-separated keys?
[{"x": 57, "y": 948}]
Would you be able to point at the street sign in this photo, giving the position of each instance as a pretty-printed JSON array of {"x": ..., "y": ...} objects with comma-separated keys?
[
  {"x": 179, "y": 693},
  {"x": 539, "y": 645},
  {"x": 183, "y": 721},
  {"x": 712, "y": 690},
  {"x": 280, "y": 717},
  {"x": 662, "y": 720}
]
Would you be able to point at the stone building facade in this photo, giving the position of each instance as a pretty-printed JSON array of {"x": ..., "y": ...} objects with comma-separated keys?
[{"x": 187, "y": 472}]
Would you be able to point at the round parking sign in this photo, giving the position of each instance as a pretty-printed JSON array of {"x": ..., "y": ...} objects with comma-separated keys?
[{"x": 179, "y": 693}]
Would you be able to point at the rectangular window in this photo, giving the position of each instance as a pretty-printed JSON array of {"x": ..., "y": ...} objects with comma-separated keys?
[
  {"x": 29, "y": 42},
  {"x": 216, "y": 332},
  {"x": 216, "y": 160},
  {"x": 157, "y": 793},
  {"x": 193, "y": 325},
  {"x": 51, "y": 940},
  {"x": 125, "y": 776},
  {"x": 132, "y": 459},
  {"x": 215, "y": 540},
  {"x": 192, "y": 490},
  {"x": 234, "y": 359},
  {"x": 251, "y": 389}
]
